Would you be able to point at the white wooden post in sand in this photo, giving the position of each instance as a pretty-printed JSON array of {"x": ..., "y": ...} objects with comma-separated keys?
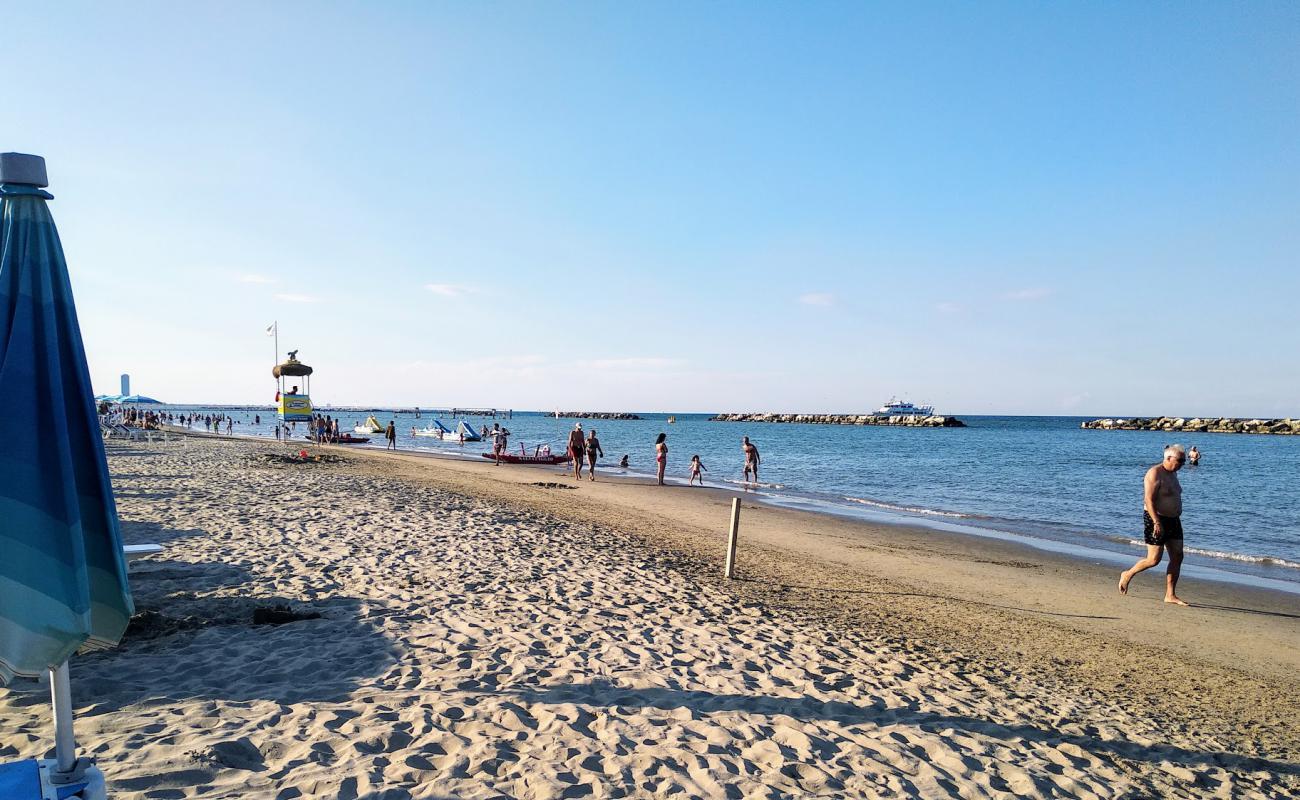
[{"x": 730, "y": 571}]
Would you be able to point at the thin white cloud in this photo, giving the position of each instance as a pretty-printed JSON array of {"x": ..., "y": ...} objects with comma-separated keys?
[
  {"x": 949, "y": 308},
  {"x": 448, "y": 289},
  {"x": 1024, "y": 295},
  {"x": 817, "y": 299},
  {"x": 297, "y": 298},
  {"x": 1073, "y": 401},
  {"x": 637, "y": 362},
  {"x": 490, "y": 362},
  {"x": 255, "y": 278}
]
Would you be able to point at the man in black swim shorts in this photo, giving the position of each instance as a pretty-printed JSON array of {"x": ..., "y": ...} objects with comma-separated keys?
[
  {"x": 1162, "y": 524},
  {"x": 1171, "y": 528}
]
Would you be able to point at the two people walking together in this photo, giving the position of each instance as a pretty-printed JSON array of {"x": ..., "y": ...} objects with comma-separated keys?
[{"x": 580, "y": 448}]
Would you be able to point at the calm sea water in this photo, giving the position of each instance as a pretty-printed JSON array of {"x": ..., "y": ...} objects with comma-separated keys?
[{"x": 1039, "y": 479}]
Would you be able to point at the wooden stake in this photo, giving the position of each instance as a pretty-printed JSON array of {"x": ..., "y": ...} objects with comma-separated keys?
[{"x": 730, "y": 571}]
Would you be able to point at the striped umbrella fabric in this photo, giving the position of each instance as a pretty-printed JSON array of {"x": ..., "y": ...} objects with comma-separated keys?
[{"x": 63, "y": 583}]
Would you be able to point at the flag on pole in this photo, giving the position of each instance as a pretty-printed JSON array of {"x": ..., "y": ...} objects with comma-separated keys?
[{"x": 270, "y": 330}]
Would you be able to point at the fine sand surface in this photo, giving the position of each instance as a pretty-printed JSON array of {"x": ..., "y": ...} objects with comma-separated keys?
[{"x": 481, "y": 636}]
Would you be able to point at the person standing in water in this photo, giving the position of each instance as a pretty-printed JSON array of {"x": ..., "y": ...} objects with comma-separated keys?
[
  {"x": 1193, "y": 456},
  {"x": 751, "y": 458},
  {"x": 576, "y": 450},
  {"x": 696, "y": 468},
  {"x": 661, "y": 456},
  {"x": 593, "y": 452},
  {"x": 1162, "y": 511},
  {"x": 390, "y": 433}
]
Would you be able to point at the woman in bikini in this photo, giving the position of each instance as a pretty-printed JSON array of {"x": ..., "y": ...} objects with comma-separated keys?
[
  {"x": 593, "y": 452},
  {"x": 661, "y": 456}
]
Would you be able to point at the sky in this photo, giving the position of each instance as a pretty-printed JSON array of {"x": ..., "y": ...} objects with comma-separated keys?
[{"x": 1015, "y": 208}]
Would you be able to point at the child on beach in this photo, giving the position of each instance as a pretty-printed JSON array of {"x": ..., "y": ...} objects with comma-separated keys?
[{"x": 696, "y": 469}]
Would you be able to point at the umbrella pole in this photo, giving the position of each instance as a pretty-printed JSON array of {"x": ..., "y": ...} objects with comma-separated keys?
[{"x": 65, "y": 746}]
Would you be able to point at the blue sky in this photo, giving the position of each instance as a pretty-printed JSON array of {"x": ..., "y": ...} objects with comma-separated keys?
[{"x": 994, "y": 207}]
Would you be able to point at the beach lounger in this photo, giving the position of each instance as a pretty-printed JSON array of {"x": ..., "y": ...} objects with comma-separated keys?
[
  {"x": 134, "y": 551},
  {"x": 123, "y": 432}
]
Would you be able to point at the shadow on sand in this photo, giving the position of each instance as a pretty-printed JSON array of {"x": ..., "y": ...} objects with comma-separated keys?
[
  {"x": 1239, "y": 610},
  {"x": 153, "y": 533},
  {"x": 603, "y": 693},
  {"x": 194, "y": 636}
]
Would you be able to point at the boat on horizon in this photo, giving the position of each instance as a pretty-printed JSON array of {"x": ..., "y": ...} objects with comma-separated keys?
[{"x": 901, "y": 408}]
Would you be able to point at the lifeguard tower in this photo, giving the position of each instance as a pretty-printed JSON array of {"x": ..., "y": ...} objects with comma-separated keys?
[{"x": 295, "y": 405}]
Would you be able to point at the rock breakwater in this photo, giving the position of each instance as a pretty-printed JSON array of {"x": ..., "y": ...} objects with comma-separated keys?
[
  {"x": 595, "y": 415},
  {"x": 907, "y": 421},
  {"x": 1196, "y": 425}
]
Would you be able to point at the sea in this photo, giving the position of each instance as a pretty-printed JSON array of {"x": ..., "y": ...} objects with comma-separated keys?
[{"x": 1040, "y": 481}]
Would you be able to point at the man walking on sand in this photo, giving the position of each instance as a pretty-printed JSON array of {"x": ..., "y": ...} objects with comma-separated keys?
[
  {"x": 500, "y": 436},
  {"x": 1162, "y": 511},
  {"x": 751, "y": 458},
  {"x": 576, "y": 450},
  {"x": 390, "y": 433}
]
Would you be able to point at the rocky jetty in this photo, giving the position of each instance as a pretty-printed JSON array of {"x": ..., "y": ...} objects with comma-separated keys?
[
  {"x": 1196, "y": 425},
  {"x": 907, "y": 421},
  {"x": 595, "y": 415}
]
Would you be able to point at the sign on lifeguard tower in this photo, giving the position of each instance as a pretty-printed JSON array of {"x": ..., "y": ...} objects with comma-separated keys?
[{"x": 295, "y": 405}]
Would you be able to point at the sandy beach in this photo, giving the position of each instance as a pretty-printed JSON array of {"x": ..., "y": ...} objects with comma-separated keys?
[{"x": 473, "y": 631}]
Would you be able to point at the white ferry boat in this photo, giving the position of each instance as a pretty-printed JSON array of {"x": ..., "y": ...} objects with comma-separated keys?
[{"x": 898, "y": 408}]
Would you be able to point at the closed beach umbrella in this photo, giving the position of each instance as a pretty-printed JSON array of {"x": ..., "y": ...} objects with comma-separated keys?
[{"x": 63, "y": 580}]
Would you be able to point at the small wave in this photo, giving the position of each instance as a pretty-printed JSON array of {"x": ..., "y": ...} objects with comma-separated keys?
[
  {"x": 1268, "y": 561},
  {"x": 755, "y": 483},
  {"x": 908, "y": 509}
]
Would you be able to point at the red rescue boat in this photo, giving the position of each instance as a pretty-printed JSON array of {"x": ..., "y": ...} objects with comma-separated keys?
[{"x": 515, "y": 458}]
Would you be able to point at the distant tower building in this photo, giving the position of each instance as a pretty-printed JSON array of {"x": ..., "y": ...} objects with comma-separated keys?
[{"x": 126, "y": 385}]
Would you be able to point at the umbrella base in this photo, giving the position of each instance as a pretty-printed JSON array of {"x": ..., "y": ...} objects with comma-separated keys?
[
  {"x": 87, "y": 785},
  {"x": 31, "y": 780}
]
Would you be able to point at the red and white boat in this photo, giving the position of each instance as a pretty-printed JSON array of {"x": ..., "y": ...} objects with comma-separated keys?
[{"x": 515, "y": 458}]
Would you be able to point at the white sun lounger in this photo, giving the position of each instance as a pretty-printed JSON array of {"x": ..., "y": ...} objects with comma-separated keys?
[{"x": 134, "y": 551}]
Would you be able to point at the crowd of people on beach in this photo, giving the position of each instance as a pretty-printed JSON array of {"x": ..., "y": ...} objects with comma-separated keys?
[
  {"x": 212, "y": 423},
  {"x": 135, "y": 417},
  {"x": 149, "y": 419}
]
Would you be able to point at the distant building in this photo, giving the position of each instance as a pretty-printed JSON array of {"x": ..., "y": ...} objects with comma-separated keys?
[{"x": 126, "y": 385}]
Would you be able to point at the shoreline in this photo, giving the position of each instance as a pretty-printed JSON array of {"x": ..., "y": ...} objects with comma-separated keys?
[{"x": 1261, "y": 572}]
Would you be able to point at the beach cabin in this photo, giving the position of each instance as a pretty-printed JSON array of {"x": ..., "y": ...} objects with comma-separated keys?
[{"x": 294, "y": 403}]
